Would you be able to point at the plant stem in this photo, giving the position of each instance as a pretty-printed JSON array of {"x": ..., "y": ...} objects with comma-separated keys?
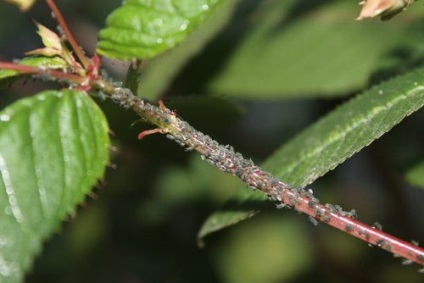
[
  {"x": 71, "y": 78},
  {"x": 68, "y": 34},
  {"x": 229, "y": 161}
]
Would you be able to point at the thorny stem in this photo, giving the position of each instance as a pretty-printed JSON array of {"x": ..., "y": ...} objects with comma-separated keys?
[
  {"x": 68, "y": 34},
  {"x": 229, "y": 161}
]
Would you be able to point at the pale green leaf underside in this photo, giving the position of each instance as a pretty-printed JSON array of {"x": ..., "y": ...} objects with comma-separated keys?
[
  {"x": 35, "y": 61},
  {"x": 415, "y": 175},
  {"x": 336, "y": 137},
  {"x": 54, "y": 148},
  {"x": 144, "y": 28},
  {"x": 244, "y": 204}
]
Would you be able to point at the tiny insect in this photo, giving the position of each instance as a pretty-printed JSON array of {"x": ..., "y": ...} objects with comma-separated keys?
[{"x": 313, "y": 221}]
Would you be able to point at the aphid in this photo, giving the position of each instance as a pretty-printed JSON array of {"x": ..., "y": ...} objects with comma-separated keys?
[
  {"x": 244, "y": 178},
  {"x": 377, "y": 226},
  {"x": 207, "y": 153},
  {"x": 312, "y": 203},
  {"x": 348, "y": 227},
  {"x": 239, "y": 172},
  {"x": 281, "y": 205},
  {"x": 313, "y": 220},
  {"x": 210, "y": 162},
  {"x": 326, "y": 219},
  {"x": 367, "y": 235},
  {"x": 380, "y": 242},
  {"x": 352, "y": 214},
  {"x": 274, "y": 182},
  {"x": 292, "y": 200},
  {"x": 330, "y": 207},
  {"x": 259, "y": 186},
  {"x": 338, "y": 208},
  {"x": 318, "y": 212},
  {"x": 101, "y": 95},
  {"x": 406, "y": 262}
]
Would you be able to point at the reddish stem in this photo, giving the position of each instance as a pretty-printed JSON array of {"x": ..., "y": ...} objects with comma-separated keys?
[
  {"x": 40, "y": 71},
  {"x": 300, "y": 200},
  {"x": 229, "y": 161},
  {"x": 68, "y": 34},
  {"x": 346, "y": 223}
]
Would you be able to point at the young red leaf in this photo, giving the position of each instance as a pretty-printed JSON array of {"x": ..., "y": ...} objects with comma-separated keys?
[{"x": 385, "y": 9}]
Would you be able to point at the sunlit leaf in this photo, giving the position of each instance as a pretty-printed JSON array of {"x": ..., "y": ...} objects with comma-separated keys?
[
  {"x": 154, "y": 76},
  {"x": 143, "y": 28}
]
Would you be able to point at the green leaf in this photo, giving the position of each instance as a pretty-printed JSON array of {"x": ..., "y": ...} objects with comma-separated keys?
[
  {"x": 415, "y": 175},
  {"x": 40, "y": 61},
  {"x": 336, "y": 137},
  {"x": 154, "y": 76},
  {"x": 243, "y": 205},
  {"x": 293, "y": 50},
  {"x": 54, "y": 149},
  {"x": 48, "y": 37},
  {"x": 143, "y": 28},
  {"x": 24, "y": 5}
]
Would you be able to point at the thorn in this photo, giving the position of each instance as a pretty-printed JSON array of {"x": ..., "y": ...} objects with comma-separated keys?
[
  {"x": 101, "y": 183},
  {"x": 149, "y": 132},
  {"x": 112, "y": 165},
  {"x": 74, "y": 216},
  {"x": 163, "y": 107},
  {"x": 93, "y": 195},
  {"x": 114, "y": 148}
]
